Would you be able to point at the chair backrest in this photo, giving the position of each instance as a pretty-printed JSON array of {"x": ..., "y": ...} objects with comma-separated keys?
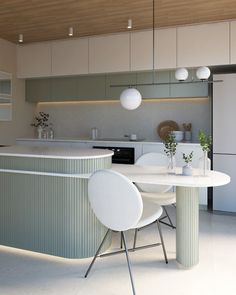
[
  {"x": 115, "y": 200},
  {"x": 153, "y": 159}
]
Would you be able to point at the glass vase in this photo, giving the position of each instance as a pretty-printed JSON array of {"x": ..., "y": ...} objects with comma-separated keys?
[
  {"x": 204, "y": 164},
  {"x": 39, "y": 132},
  {"x": 171, "y": 164}
]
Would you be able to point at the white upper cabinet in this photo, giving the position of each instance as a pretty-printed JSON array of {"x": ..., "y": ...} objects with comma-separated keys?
[
  {"x": 200, "y": 45},
  {"x": 165, "y": 44},
  {"x": 233, "y": 42},
  {"x": 34, "y": 60},
  {"x": 70, "y": 57},
  {"x": 110, "y": 53},
  {"x": 141, "y": 51}
]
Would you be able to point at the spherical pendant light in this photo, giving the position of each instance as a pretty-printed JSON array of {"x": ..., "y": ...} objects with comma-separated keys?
[
  {"x": 181, "y": 74},
  {"x": 130, "y": 99},
  {"x": 203, "y": 73}
]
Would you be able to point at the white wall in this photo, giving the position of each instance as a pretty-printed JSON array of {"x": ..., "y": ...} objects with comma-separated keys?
[
  {"x": 22, "y": 112},
  {"x": 76, "y": 119}
]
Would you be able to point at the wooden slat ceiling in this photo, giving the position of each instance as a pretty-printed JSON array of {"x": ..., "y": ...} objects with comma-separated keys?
[{"x": 41, "y": 20}]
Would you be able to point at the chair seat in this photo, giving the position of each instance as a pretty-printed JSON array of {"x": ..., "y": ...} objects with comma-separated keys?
[
  {"x": 151, "y": 212},
  {"x": 162, "y": 199}
]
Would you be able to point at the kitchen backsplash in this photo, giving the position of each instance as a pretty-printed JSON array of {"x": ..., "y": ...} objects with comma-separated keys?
[{"x": 76, "y": 119}]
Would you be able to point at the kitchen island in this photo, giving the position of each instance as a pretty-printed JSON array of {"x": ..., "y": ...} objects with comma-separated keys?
[{"x": 43, "y": 200}]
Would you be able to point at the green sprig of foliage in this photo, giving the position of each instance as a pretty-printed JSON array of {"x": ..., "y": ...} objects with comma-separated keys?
[
  {"x": 170, "y": 145},
  {"x": 188, "y": 158},
  {"x": 41, "y": 120},
  {"x": 205, "y": 141}
]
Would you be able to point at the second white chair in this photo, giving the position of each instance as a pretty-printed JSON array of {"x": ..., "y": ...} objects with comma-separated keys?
[{"x": 161, "y": 194}]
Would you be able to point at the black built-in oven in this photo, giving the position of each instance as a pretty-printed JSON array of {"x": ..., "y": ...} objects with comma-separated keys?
[{"x": 122, "y": 155}]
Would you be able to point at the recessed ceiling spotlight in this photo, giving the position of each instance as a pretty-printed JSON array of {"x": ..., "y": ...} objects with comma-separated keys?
[
  {"x": 20, "y": 38},
  {"x": 71, "y": 31},
  {"x": 129, "y": 26}
]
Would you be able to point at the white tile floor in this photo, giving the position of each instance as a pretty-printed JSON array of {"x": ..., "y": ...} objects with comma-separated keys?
[{"x": 28, "y": 273}]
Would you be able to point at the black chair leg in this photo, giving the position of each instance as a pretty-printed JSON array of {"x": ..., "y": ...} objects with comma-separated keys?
[
  {"x": 96, "y": 255},
  {"x": 168, "y": 216},
  {"x": 135, "y": 238},
  {"x": 128, "y": 262},
  {"x": 162, "y": 241}
]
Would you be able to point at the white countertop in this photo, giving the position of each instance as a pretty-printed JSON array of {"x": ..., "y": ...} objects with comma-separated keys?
[
  {"x": 54, "y": 152},
  {"x": 101, "y": 140},
  {"x": 159, "y": 175}
]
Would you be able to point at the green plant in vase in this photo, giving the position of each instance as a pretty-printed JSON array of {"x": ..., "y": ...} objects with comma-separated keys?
[
  {"x": 205, "y": 142},
  {"x": 40, "y": 122},
  {"x": 187, "y": 169},
  {"x": 170, "y": 150}
]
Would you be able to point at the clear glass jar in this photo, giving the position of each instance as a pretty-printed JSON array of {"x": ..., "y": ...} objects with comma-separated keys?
[
  {"x": 50, "y": 131},
  {"x": 204, "y": 164},
  {"x": 171, "y": 164}
]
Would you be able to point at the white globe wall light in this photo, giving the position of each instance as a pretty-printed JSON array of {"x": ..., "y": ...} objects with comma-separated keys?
[
  {"x": 181, "y": 74},
  {"x": 203, "y": 73},
  {"x": 130, "y": 99}
]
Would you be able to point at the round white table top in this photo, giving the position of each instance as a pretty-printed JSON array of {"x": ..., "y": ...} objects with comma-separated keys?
[
  {"x": 54, "y": 152},
  {"x": 159, "y": 175}
]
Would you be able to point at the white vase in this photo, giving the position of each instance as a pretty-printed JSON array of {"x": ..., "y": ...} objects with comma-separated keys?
[{"x": 188, "y": 170}]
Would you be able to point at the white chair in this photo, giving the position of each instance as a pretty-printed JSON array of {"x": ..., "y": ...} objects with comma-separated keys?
[
  {"x": 118, "y": 205},
  {"x": 161, "y": 194}
]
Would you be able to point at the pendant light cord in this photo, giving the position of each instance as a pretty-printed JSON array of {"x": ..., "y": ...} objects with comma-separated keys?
[{"x": 153, "y": 38}]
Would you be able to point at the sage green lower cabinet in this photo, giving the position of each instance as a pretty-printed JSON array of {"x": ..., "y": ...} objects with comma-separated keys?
[{"x": 48, "y": 212}]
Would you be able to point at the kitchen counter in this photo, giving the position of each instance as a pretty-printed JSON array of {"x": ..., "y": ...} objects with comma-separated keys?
[
  {"x": 44, "y": 204},
  {"x": 112, "y": 141},
  {"x": 53, "y": 153}
]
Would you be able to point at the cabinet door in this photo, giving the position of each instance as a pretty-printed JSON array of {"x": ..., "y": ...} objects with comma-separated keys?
[
  {"x": 188, "y": 90},
  {"x": 117, "y": 79},
  {"x": 70, "y": 57},
  {"x": 34, "y": 60},
  {"x": 155, "y": 91},
  {"x": 165, "y": 48},
  {"x": 91, "y": 87},
  {"x": 233, "y": 42},
  {"x": 201, "y": 45},
  {"x": 141, "y": 56},
  {"x": 109, "y": 53},
  {"x": 224, "y": 196},
  {"x": 38, "y": 90},
  {"x": 64, "y": 89}
]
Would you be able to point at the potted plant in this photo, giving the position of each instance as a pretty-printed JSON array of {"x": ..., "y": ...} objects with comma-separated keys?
[
  {"x": 205, "y": 142},
  {"x": 187, "y": 169},
  {"x": 170, "y": 150},
  {"x": 40, "y": 122}
]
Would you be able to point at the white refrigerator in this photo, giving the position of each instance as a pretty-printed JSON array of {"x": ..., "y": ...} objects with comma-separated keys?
[{"x": 224, "y": 139}]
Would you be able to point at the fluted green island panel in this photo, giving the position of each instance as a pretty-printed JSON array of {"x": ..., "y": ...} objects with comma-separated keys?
[{"x": 48, "y": 211}]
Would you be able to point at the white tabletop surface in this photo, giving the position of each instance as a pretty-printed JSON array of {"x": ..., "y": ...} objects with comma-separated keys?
[
  {"x": 159, "y": 175},
  {"x": 54, "y": 152}
]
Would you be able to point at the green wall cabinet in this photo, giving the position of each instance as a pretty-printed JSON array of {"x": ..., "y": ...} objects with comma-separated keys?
[{"x": 98, "y": 87}]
